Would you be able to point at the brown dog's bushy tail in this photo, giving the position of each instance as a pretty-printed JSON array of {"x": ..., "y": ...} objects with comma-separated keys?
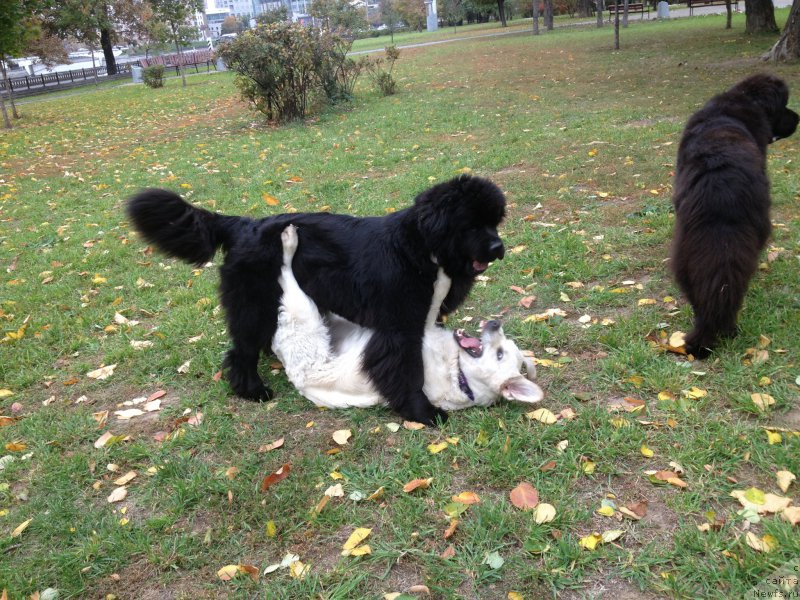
[{"x": 177, "y": 228}]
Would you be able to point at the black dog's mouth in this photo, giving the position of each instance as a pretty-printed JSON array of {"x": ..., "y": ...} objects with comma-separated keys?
[
  {"x": 470, "y": 345},
  {"x": 479, "y": 267}
]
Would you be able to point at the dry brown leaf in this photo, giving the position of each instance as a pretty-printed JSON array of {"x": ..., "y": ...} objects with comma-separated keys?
[
  {"x": 524, "y": 496},
  {"x": 275, "y": 477},
  {"x": 272, "y": 446}
]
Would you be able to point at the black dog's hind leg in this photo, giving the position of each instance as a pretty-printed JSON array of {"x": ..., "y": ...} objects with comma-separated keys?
[
  {"x": 250, "y": 296},
  {"x": 393, "y": 361}
]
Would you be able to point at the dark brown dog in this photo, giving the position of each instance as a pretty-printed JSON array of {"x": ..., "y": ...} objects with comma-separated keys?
[{"x": 722, "y": 202}]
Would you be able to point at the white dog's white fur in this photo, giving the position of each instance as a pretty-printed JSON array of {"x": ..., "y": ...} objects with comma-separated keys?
[{"x": 322, "y": 355}]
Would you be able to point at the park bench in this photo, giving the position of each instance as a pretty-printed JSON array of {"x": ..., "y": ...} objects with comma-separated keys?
[
  {"x": 633, "y": 7},
  {"x": 693, "y": 3}
]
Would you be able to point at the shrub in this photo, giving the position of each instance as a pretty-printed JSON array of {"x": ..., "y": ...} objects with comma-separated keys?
[
  {"x": 153, "y": 76},
  {"x": 282, "y": 68},
  {"x": 383, "y": 76}
]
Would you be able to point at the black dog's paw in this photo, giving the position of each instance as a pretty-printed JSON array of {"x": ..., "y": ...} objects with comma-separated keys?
[
  {"x": 245, "y": 382},
  {"x": 697, "y": 349},
  {"x": 422, "y": 411}
]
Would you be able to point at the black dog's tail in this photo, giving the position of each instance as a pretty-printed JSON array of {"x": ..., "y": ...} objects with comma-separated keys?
[{"x": 177, "y": 228}]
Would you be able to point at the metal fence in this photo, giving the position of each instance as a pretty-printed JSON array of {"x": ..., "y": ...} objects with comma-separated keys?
[{"x": 29, "y": 82}]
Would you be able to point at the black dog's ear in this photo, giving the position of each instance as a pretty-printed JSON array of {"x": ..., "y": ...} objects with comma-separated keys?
[{"x": 456, "y": 205}]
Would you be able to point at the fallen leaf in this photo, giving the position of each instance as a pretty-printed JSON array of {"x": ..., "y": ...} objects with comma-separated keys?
[
  {"x": 451, "y": 529},
  {"x": 791, "y": 514},
  {"x": 118, "y": 495},
  {"x": 494, "y": 560},
  {"x": 544, "y": 513},
  {"x": 436, "y": 448},
  {"x": 524, "y": 496},
  {"x": 413, "y": 425},
  {"x": 102, "y": 372},
  {"x": 590, "y": 542},
  {"x": 606, "y": 511},
  {"x": 125, "y": 479},
  {"x": 466, "y": 498},
  {"x": 417, "y": 484},
  {"x": 646, "y": 452},
  {"x": 760, "y": 502},
  {"x": 785, "y": 479},
  {"x": 335, "y": 491},
  {"x": 449, "y": 552},
  {"x": 762, "y": 401},
  {"x": 275, "y": 477},
  {"x": 543, "y": 415},
  {"x": 355, "y": 539},
  {"x": 20, "y": 528},
  {"x": 764, "y": 544},
  {"x": 342, "y": 436},
  {"x": 271, "y": 446}
]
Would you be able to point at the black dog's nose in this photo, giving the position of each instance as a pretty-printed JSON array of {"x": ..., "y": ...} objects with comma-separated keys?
[{"x": 497, "y": 249}]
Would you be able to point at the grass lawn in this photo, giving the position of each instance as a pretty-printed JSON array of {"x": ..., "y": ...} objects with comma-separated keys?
[{"x": 583, "y": 141}]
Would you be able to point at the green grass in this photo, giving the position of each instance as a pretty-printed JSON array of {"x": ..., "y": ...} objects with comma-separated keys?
[{"x": 583, "y": 141}]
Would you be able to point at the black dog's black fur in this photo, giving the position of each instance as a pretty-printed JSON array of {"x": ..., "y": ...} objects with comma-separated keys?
[
  {"x": 376, "y": 271},
  {"x": 722, "y": 202}
]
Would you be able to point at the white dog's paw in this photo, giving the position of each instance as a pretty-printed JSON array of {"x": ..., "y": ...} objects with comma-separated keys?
[{"x": 289, "y": 239}]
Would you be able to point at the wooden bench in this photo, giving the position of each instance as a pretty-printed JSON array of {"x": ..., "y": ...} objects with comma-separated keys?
[
  {"x": 692, "y": 3},
  {"x": 633, "y": 7}
]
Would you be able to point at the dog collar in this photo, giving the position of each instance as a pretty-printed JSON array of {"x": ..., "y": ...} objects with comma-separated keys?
[{"x": 463, "y": 385}]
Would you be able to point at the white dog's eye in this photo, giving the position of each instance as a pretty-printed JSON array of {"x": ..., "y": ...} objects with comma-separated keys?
[{"x": 500, "y": 354}]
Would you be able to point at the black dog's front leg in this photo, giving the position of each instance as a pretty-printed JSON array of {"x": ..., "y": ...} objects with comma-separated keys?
[{"x": 393, "y": 362}]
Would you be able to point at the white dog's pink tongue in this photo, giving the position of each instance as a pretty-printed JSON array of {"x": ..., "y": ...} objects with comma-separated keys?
[{"x": 469, "y": 343}]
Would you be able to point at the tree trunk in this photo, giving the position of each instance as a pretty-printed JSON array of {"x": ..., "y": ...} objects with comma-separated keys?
[
  {"x": 535, "y": 17},
  {"x": 600, "y": 10},
  {"x": 760, "y": 16},
  {"x": 6, "y": 120},
  {"x": 180, "y": 62},
  {"x": 616, "y": 27},
  {"x": 94, "y": 66},
  {"x": 584, "y": 8},
  {"x": 729, "y": 12},
  {"x": 548, "y": 14},
  {"x": 787, "y": 48},
  {"x": 501, "y": 9},
  {"x": 7, "y": 87},
  {"x": 108, "y": 51},
  {"x": 624, "y": 15}
]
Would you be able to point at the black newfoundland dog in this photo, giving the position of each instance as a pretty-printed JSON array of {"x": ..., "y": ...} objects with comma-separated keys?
[
  {"x": 378, "y": 272},
  {"x": 722, "y": 202}
]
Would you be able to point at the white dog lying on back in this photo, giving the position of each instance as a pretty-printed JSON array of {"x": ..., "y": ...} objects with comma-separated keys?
[{"x": 322, "y": 355}]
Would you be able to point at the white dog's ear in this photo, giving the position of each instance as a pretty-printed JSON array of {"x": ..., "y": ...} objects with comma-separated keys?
[{"x": 520, "y": 389}]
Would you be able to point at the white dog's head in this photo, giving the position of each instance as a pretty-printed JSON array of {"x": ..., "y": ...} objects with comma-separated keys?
[{"x": 494, "y": 366}]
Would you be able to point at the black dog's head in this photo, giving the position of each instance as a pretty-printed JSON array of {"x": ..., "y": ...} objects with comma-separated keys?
[
  {"x": 458, "y": 222},
  {"x": 771, "y": 95}
]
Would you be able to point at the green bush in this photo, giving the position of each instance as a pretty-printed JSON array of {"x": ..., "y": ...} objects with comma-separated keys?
[
  {"x": 285, "y": 68},
  {"x": 153, "y": 76}
]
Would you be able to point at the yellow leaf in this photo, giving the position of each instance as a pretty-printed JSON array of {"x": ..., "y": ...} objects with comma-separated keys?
[
  {"x": 102, "y": 372},
  {"x": 118, "y": 495},
  {"x": 361, "y": 550},
  {"x": 773, "y": 437},
  {"x": 646, "y": 452},
  {"x": 20, "y": 528},
  {"x": 298, "y": 570},
  {"x": 515, "y": 596},
  {"x": 695, "y": 393},
  {"x": 606, "y": 511},
  {"x": 666, "y": 396},
  {"x": 588, "y": 466},
  {"x": 336, "y": 476},
  {"x": 436, "y": 448},
  {"x": 590, "y": 542},
  {"x": 98, "y": 279},
  {"x": 610, "y": 536},
  {"x": 5, "y": 393},
  {"x": 355, "y": 539},
  {"x": 16, "y": 446},
  {"x": 377, "y": 494},
  {"x": 272, "y": 529},
  {"x": 416, "y": 484},
  {"x": 413, "y": 425},
  {"x": 646, "y": 301},
  {"x": 543, "y": 415}
]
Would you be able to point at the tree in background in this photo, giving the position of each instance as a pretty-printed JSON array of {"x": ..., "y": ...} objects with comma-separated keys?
[
  {"x": 276, "y": 15},
  {"x": 787, "y": 48},
  {"x": 451, "y": 12},
  {"x": 412, "y": 13},
  {"x": 760, "y": 16},
  {"x": 177, "y": 16},
  {"x": 21, "y": 33},
  {"x": 338, "y": 14},
  {"x": 389, "y": 15}
]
